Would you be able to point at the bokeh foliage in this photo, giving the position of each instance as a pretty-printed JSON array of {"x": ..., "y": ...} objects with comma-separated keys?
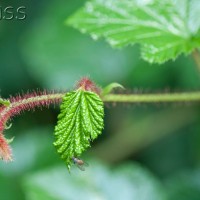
[{"x": 42, "y": 52}]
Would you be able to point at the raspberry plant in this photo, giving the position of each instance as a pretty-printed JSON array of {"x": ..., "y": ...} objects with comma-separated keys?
[{"x": 164, "y": 29}]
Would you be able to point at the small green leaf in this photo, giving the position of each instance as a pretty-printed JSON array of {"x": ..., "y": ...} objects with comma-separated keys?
[
  {"x": 164, "y": 29},
  {"x": 4, "y": 102},
  {"x": 80, "y": 121},
  {"x": 8, "y": 126},
  {"x": 10, "y": 140},
  {"x": 109, "y": 88}
]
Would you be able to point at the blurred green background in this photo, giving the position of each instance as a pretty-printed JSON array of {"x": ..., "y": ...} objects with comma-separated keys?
[{"x": 146, "y": 152}]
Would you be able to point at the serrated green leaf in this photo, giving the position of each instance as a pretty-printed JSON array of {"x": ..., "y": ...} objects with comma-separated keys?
[
  {"x": 80, "y": 121},
  {"x": 164, "y": 29}
]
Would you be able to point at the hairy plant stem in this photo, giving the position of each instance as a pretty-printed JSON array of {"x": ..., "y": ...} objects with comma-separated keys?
[
  {"x": 153, "y": 98},
  {"x": 32, "y": 101},
  {"x": 28, "y": 102},
  {"x": 15, "y": 105},
  {"x": 46, "y": 99}
]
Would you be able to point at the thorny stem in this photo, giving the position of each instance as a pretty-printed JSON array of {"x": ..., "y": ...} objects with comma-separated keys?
[
  {"x": 31, "y": 102},
  {"x": 26, "y": 103},
  {"x": 16, "y": 105},
  {"x": 44, "y": 100}
]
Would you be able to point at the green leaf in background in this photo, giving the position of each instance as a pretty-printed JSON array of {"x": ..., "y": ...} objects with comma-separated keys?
[
  {"x": 164, "y": 29},
  {"x": 57, "y": 55},
  {"x": 129, "y": 181},
  {"x": 80, "y": 120}
]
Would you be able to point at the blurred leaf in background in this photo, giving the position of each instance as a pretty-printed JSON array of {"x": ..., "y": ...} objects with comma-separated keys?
[
  {"x": 129, "y": 181},
  {"x": 163, "y": 29},
  {"x": 57, "y": 55}
]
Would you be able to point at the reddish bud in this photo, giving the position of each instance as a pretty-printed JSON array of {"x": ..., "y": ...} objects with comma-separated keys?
[{"x": 86, "y": 84}]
